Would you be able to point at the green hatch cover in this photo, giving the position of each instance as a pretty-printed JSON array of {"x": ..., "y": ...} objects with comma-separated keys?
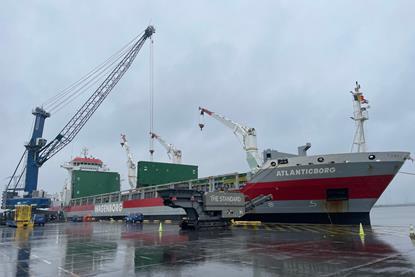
[
  {"x": 156, "y": 173},
  {"x": 88, "y": 183}
]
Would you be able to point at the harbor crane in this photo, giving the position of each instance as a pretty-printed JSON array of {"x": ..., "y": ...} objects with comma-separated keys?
[
  {"x": 175, "y": 155},
  {"x": 38, "y": 151},
  {"x": 132, "y": 170},
  {"x": 246, "y": 135}
]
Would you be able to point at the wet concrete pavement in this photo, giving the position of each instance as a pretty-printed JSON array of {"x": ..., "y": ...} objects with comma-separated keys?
[{"x": 116, "y": 249}]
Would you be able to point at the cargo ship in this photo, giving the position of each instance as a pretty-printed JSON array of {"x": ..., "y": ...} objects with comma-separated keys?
[
  {"x": 332, "y": 188},
  {"x": 327, "y": 188}
]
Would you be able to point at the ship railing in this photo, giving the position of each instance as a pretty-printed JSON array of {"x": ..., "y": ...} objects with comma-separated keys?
[{"x": 231, "y": 181}]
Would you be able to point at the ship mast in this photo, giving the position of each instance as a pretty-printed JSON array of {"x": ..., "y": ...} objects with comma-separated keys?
[{"x": 360, "y": 115}]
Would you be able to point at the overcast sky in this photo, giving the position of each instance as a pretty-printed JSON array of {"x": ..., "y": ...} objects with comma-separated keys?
[{"x": 283, "y": 67}]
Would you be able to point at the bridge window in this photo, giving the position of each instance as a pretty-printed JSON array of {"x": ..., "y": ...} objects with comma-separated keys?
[{"x": 282, "y": 161}]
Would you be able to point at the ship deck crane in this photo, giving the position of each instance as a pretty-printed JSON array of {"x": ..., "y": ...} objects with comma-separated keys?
[
  {"x": 132, "y": 171},
  {"x": 246, "y": 135},
  {"x": 38, "y": 151},
  {"x": 175, "y": 155}
]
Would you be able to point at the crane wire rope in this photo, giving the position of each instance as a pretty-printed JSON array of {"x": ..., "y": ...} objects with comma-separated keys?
[
  {"x": 70, "y": 88},
  {"x": 49, "y": 103},
  {"x": 83, "y": 87},
  {"x": 20, "y": 177},
  {"x": 151, "y": 96},
  {"x": 53, "y": 100},
  {"x": 18, "y": 164},
  {"x": 16, "y": 169}
]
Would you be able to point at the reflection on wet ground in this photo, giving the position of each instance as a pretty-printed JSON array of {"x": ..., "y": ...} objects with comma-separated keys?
[{"x": 116, "y": 249}]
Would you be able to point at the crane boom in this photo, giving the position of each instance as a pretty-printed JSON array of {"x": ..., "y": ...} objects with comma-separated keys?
[
  {"x": 38, "y": 152},
  {"x": 76, "y": 123},
  {"x": 132, "y": 172},
  {"x": 246, "y": 135},
  {"x": 174, "y": 154}
]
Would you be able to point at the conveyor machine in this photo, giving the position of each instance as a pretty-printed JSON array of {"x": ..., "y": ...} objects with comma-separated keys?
[{"x": 210, "y": 209}]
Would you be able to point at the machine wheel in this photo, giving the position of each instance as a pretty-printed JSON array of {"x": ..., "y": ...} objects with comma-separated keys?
[
  {"x": 196, "y": 227},
  {"x": 184, "y": 225}
]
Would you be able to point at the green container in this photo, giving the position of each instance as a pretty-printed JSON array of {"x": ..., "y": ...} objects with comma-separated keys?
[
  {"x": 155, "y": 173},
  {"x": 88, "y": 183}
]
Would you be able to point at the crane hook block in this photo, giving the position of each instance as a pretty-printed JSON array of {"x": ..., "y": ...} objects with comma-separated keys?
[{"x": 201, "y": 125}]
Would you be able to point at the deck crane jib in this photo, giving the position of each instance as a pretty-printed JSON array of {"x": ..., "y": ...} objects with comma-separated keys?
[
  {"x": 132, "y": 170},
  {"x": 246, "y": 135},
  {"x": 38, "y": 151},
  {"x": 175, "y": 155}
]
